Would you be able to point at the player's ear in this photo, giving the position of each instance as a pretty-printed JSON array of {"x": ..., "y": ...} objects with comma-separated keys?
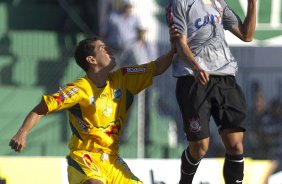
[{"x": 91, "y": 60}]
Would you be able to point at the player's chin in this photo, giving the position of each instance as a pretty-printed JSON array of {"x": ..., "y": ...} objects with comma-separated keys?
[
  {"x": 113, "y": 62},
  {"x": 113, "y": 58}
]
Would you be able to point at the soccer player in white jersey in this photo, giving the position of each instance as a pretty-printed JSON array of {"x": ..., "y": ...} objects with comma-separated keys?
[{"x": 206, "y": 84}]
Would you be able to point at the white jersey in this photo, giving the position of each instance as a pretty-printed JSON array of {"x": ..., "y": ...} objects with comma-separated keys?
[{"x": 203, "y": 22}]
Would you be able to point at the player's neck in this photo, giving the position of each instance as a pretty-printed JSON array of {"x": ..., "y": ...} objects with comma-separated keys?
[{"x": 98, "y": 79}]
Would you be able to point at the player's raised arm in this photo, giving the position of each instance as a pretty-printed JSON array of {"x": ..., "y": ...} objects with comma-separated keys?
[
  {"x": 164, "y": 61},
  {"x": 245, "y": 31},
  {"x": 18, "y": 141}
]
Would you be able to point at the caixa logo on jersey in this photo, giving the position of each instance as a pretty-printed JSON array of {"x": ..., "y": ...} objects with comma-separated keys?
[
  {"x": 135, "y": 70},
  {"x": 117, "y": 94}
]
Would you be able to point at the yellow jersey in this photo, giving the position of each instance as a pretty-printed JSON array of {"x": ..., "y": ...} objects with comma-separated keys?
[{"x": 96, "y": 115}]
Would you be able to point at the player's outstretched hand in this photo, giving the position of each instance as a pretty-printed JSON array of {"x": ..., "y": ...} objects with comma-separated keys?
[
  {"x": 173, "y": 34},
  {"x": 18, "y": 142}
]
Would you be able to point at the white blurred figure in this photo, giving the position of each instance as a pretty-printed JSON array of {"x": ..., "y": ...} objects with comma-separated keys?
[
  {"x": 140, "y": 50},
  {"x": 121, "y": 27},
  {"x": 172, "y": 134}
]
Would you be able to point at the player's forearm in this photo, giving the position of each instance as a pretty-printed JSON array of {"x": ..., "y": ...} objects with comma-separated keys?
[
  {"x": 30, "y": 121},
  {"x": 249, "y": 24},
  {"x": 163, "y": 62},
  {"x": 186, "y": 54},
  {"x": 18, "y": 141},
  {"x": 33, "y": 117}
]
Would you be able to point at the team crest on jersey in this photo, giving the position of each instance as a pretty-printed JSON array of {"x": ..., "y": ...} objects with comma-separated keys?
[
  {"x": 218, "y": 6},
  {"x": 194, "y": 124},
  {"x": 92, "y": 100},
  {"x": 107, "y": 112},
  {"x": 89, "y": 162},
  {"x": 117, "y": 94}
]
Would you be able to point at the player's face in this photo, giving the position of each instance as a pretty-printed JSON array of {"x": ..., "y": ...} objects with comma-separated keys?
[
  {"x": 104, "y": 56},
  {"x": 128, "y": 10}
]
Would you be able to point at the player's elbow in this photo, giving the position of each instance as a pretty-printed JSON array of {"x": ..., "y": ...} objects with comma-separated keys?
[
  {"x": 248, "y": 35},
  {"x": 248, "y": 38}
]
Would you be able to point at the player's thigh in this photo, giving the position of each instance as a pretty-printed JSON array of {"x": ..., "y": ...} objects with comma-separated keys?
[
  {"x": 229, "y": 105},
  {"x": 76, "y": 177},
  {"x": 121, "y": 173},
  {"x": 83, "y": 166}
]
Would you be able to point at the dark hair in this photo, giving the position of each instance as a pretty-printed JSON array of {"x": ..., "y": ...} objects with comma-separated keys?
[{"x": 85, "y": 48}]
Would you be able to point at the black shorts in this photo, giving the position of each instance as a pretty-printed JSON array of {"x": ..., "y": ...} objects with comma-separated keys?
[{"x": 222, "y": 98}]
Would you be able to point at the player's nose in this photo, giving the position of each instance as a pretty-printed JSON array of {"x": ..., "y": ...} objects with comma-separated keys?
[{"x": 109, "y": 50}]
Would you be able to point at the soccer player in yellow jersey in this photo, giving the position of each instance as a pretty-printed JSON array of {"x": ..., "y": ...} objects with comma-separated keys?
[{"x": 97, "y": 106}]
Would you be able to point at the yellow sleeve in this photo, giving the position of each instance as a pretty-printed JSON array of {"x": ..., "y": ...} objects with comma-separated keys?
[
  {"x": 139, "y": 77},
  {"x": 64, "y": 98}
]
